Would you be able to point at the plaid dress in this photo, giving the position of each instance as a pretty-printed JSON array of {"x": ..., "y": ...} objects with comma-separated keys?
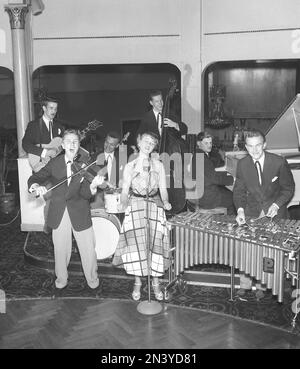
[{"x": 131, "y": 252}]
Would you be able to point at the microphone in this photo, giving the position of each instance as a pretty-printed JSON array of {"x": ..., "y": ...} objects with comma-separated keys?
[{"x": 146, "y": 165}]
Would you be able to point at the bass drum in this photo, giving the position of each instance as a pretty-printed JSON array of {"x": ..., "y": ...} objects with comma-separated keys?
[{"x": 107, "y": 229}]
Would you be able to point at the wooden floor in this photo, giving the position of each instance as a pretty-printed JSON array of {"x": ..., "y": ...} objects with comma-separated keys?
[{"x": 107, "y": 324}]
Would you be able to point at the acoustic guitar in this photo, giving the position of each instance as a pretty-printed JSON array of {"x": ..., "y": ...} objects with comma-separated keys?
[{"x": 37, "y": 163}]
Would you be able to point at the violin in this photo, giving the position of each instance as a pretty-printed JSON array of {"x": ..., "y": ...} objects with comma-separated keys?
[{"x": 80, "y": 166}]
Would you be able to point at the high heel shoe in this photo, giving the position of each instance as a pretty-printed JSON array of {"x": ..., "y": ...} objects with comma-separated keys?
[
  {"x": 157, "y": 292},
  {"x": 136, "y": 293}
]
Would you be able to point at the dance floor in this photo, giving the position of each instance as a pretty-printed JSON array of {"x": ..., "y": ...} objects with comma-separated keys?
[{"x": 30, "y": 275}]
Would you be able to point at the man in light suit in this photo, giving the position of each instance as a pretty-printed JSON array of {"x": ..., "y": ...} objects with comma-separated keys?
[
  {"x": 43, "y": 130},
  {"x": 111, "y": 168},
  {"x": 152, "y": 120},
  {"x": 264, "y": 185},
  {"x": 69, "y": 211}
]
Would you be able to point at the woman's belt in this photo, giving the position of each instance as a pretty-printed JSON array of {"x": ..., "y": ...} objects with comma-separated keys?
[{"x": 144, "y": 196}]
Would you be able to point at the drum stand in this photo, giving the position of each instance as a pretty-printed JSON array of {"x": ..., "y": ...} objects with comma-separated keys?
[{"x": 148, "y": 307}]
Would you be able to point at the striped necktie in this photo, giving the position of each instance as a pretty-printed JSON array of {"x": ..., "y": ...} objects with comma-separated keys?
[
  {"x": 259, "y": 172},
  {"x": 51, "y": 129},
  {"x": 69, "y": 171}
]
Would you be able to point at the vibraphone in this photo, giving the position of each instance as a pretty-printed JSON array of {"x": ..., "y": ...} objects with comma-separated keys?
[{"x": 263, "y": 248}]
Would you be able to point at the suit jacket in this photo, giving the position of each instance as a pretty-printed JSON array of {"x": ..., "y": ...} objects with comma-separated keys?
[
  {"x": 37, "y": 133},
  {"x": 213, "y": 182},
  {"x": 278, "y": 185},
  {"x": 75, "y": 196},
  {"x": 149, "y": 123}
]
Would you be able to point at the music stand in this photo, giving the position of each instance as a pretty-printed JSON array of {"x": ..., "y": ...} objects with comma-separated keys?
[{"x": 148, "y": 307}]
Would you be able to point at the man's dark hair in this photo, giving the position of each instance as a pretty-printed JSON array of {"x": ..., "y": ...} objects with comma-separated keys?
[
  {"x": 154, "y": 93},
  {"x": 48, "y": 99},
  {"x": 114, "y": 134},
  {"x": 202, "y": 135},
  {"x": 254, "y": 133}
]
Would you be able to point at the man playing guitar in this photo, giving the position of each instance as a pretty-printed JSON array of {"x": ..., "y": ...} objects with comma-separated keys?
[{"x": 40, "y": 133}]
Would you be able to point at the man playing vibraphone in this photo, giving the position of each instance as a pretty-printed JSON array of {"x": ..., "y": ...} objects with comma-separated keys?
[{"x": 264, "y": 185}]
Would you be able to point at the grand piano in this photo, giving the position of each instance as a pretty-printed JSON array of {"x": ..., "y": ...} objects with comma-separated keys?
[{"x": 282, "y": 138}]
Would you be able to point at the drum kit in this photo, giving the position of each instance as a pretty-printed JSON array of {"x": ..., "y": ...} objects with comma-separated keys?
[{"x": 107, "y": 225}]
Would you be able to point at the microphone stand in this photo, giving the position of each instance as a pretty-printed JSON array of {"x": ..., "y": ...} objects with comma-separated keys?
[{"x": 148, "y": 307}]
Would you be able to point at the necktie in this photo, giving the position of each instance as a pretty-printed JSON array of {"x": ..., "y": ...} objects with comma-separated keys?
[
  {"x": 159, "y": 122},
  {"x": 259, "y": 171},
  {"x": 50, "y": 129},
  {"x": 69, "y": 171},
  {"x": 109, "y": 164}
]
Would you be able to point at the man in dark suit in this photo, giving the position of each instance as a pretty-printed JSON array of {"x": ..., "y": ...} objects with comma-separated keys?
[
  {"x": 215, "y": 193},
  {"x": 41, "y": 131},
  {"x": 112, "y": 167},
  {"x": 152, "y": 120},
  {"x": 69, "y": 211},
  {"x": 264, "y": 185}
]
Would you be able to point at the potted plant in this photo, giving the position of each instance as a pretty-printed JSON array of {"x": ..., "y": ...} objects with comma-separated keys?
[{"x": 7, "y": 199}]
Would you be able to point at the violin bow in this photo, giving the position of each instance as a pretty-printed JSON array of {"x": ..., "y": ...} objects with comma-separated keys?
[{"x": 71, "y": 176}]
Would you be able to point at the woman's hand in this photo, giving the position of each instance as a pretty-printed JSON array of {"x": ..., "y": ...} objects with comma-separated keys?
[
  {"x": 122, "y": 206},
  {"x": 167, "y": 205}
]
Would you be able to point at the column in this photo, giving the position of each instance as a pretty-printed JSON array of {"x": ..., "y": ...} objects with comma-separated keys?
[{"x": 17, "y": 14}]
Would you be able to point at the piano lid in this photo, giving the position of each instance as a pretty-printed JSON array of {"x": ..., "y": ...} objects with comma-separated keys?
[{"x": 283, "y": 133}]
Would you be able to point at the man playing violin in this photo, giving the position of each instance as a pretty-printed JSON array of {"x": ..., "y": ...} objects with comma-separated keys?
[{"x": 69, "y": 211}]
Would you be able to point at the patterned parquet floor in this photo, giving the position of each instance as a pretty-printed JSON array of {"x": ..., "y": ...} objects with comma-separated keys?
[
  {"x": 198, "y": 318},
  {"x": 63, "y": 323}
]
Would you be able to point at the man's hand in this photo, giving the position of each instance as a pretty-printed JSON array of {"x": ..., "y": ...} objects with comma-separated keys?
[
  {"x": 273, "y": 210},
  {"x": 240, "y": 218},
  {"x": 97, "y": 181},
  {"x": 51, "y": 153},
  {"x": 169, "y": 123},
  {"x": 38, "y": 190}
]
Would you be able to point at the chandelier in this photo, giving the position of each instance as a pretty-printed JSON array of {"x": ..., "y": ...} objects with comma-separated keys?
[{"x": 217, "y": 117}]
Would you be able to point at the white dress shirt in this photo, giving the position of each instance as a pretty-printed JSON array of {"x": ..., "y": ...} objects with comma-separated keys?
[
  {"x": 47, "y": 122},
  {"x": 109, "y": 157}
]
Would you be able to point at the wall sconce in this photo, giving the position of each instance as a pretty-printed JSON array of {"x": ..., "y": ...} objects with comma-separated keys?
[{"x": 37, "y": 6}]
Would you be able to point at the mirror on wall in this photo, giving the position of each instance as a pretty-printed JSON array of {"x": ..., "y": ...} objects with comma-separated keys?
[{"x": 239, "y": 95}]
